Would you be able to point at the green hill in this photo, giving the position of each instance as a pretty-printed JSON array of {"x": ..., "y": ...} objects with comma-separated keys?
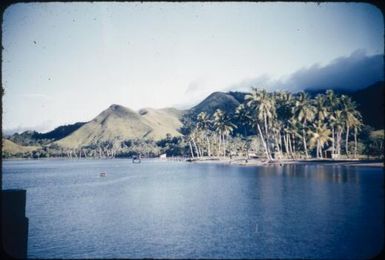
[
  {"x": 217, "y": 100},
  {"x": 33, "y": 138},
  {"x": 118, "y": 123},
  {"x": 9, "y": 147},
  {"x": 371, "y": 104}
]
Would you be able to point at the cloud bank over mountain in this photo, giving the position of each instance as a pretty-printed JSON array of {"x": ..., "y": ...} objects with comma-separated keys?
[{"x": 350, "y": 73}]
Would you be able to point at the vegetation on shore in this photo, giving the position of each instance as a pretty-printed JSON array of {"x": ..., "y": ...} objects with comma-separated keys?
[
  {"x": 271, "y": 125},
  {"x": 283, "y": 125}
]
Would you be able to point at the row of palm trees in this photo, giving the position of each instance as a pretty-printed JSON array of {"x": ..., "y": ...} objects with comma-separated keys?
[{"x": 288, "y": 125}]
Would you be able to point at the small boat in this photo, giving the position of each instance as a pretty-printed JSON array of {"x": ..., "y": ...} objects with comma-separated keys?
[
  {"x": 102, "y": 174},
  {"x": 136, "y": 159}
]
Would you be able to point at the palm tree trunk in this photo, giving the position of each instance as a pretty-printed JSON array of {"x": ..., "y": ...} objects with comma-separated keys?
[
  {"x": 317, "y": 149},
  {"x": 224, "y": 146},
  {"x": 290, "y": 143},
  {"x": 290, "y": 148},
  {"x": 339, "y": 137},
  {"x": 304, "y": 142},
  {"x": 208, "y": 146},
  {"x": 263, "y": 142},
  {"x": 267, "y": 135},
  {"x": 355, "y": 142},
  {"x": 286, "y": 144},
  {"x": 265, "y": 120},
  {"x": 277, "y": 144},
  {"x": 196, "y": 148},
  {"x": 294, "y": 147},
  {"x": 346, "y": 142},
  {"x": 191, "y": 149},
  {"x": 333, "y": 143}
]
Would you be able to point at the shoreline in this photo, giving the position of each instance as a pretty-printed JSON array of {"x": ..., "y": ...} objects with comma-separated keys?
[
  {"x": 239, "y": 161},
  {"x": 282, "y": 162}
]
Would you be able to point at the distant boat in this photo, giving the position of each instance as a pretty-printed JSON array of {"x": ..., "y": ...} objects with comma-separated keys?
[
  {"x": 102, "y": 174},
  {"x": 136, "y": 159}
]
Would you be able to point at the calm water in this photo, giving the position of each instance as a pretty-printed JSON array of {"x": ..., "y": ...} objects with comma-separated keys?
[{"x": 180, "y": 210}]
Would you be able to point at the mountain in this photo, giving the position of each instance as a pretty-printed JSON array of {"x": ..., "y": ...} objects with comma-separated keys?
[
  {"x": 24, "y": 139},
  {"x": 161, "y": 121},
  {"x": 371, "y": 104},
  {"x": 10, "y": 147},
  {"x": 61, "y": 131},
  {"x": 226, "y": 102},
  {"x": 118, "y": 123},
  {"x": 35, "y": 138}
]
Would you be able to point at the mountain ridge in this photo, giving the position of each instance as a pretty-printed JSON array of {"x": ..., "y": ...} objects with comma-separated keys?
[
  {"x": 225, "y": 101},
  {"x": 118, "y": 123}
]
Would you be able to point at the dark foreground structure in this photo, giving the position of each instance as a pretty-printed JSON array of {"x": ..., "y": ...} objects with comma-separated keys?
[{"x": 14, "y": 224}]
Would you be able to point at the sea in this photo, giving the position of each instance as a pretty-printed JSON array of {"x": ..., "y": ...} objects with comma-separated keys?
[{"x": 171, "y": 209}]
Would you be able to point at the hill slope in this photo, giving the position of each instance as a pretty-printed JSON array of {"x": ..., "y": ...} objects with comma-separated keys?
[
  {"x": 32, "y": 138},
  {"x": 371, "y": 104},
  {"x": 217, "y": 100},
  {"x": 13, "y": 148},
  {"x": 61, "y": 131},
  {"x": 161, "y": 121},
  {"x": 118, "y": 123}
]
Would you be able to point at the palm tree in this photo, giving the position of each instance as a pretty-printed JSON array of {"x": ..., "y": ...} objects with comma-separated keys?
[
  {"x": 357, "y": 126},
  {"x": 304, "y": 112},
  {"x": 263, "y": 109},
  {"x": 338, "y": 124},
  {"x": 319, "y": 136},
  {"x": 188, "y": 131},
  {"x": 194, "y": 135},
  {"x": 218, "y": 124},
  {"x": 242, "y": 114},
  {"x": 284, "y": 107},
  {"x": 293, "y": 129},
  {"x": 350, "y": 116},
  {"x": 331, "y": 103},
  {"x": 276, "y": 133},
  {"x": 224, "y": 127},
  {"x": 320, "y": 108},
  {"x": 204, "y": 124}
]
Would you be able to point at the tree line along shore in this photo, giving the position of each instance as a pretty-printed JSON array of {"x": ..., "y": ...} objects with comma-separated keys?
[
  {"x": 280, "y": 125},
  {"x": 270, "y": 126}
]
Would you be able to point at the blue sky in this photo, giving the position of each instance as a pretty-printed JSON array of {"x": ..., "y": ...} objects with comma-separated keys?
[{"x": 66, "y": 62}]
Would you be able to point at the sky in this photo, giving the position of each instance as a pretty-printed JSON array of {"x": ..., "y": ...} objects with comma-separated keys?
[{"x": 66, "y": 62}]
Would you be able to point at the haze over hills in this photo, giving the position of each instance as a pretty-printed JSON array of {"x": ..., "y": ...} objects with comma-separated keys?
[{"x": 118, "y": 123}]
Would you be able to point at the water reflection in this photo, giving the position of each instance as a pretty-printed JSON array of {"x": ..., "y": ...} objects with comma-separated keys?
[
  {"x": 297, "y": 200},
  {"x": 322, "y": 173},
  {"x": 335, "y": 174}
]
